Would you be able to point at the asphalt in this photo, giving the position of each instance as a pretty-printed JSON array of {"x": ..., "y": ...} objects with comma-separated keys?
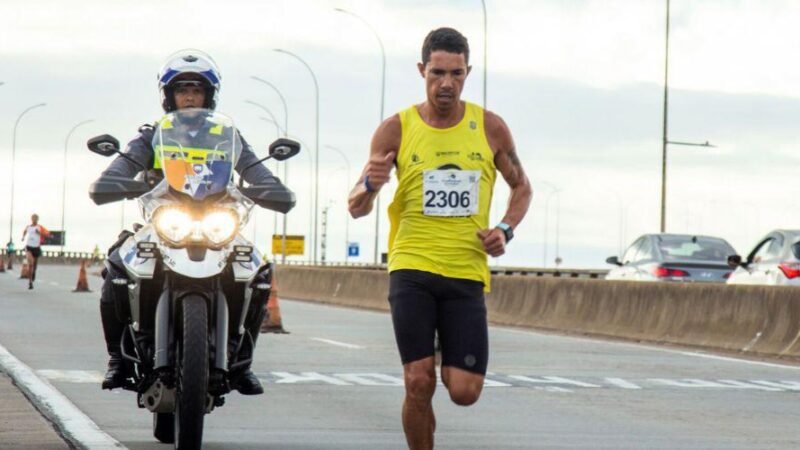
[{"x": 335, "y": 382}]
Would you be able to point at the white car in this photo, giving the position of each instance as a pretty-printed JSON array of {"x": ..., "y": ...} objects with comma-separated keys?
[{"x": 775, "y": 260}]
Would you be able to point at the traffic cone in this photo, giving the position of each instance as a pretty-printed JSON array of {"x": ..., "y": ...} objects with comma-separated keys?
[
  {"x": 26, "y": 270},
  {"x": 83, "y": 283},
  {"x": 273, "y": 323}
]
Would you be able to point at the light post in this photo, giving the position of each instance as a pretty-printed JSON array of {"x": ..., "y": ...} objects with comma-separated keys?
[
  {"x": 316, "y": 144},
  {"x": 553, "y": 190},
  {"x": 13, "y": 159},
  {"x": 347, "y": 219},
  {"x": 278, "y": 130},
  {"x": 277, "y": 167},
  {"x": 664, "y": 140},
  {"x": 285, "y": 163},
  {"x": 64, "y": 183},
  {"x": 310, "y": 187},
  {"x": 283, "y": 101},
  {"x": 485, "y": 50},
  {"x": 383, "y": 95}
]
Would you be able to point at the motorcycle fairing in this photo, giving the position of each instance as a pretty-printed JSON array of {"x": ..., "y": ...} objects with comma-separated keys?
[{"x": 136, "y": 267}]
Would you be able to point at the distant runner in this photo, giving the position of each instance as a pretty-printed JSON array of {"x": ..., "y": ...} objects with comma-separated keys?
[{"x": 33, "y": 236}]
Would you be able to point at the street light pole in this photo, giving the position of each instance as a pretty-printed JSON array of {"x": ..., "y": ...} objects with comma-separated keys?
[
  {"x": 285, "y": 163},
  {"x": 665, "y": 140},
  {"x": 283, "y": 101},
  {"x": 485, "y": 50},
  {"x": 316, "y": 144},
  {"x": 383, "y": 95},
  {"x": 13, "y": 159},
  {"x": 347, "y": 219},
  {"x": 64, "y": 183},
  {"x": 664, "y": 131}
]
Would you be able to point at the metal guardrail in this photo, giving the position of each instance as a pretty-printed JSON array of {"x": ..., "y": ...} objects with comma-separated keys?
[
  {"x": 515, "y": 271},
  {"x": 58, "y": 256},
  {"x": 76, "y": 257}
]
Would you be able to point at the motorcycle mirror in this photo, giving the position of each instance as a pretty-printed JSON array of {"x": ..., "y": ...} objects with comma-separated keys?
[
  {"x": 613, "y": 260},
  {"x": 283, "y": 149},
  {"x": 104, "y": 145}
]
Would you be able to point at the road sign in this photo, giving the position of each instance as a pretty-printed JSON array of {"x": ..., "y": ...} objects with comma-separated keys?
[
  {"x": 55, "y": 238},
  {"x": 295, "y": 244},
  {"x": 352, "y": 249}
]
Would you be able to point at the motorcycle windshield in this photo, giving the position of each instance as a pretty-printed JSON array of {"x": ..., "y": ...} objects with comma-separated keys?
[{"x": 196, "y": 149}]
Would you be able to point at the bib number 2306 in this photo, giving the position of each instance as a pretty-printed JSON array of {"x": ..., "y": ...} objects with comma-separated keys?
[{"x": 450, "y": 193}]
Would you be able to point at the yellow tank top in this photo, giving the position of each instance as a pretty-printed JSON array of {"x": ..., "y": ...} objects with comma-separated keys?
[{"x": 446, "y": 177}]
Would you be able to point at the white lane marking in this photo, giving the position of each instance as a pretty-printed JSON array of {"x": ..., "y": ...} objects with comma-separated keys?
[
  {"x": 727, "y": 358},
  {"x": 788, "y": 385},
  {"x": 337, "y": 343},
  {"x": 73, "y": 423},
  {"x": 648, "y": 347},
  {"x": 689, "y": 383},
  {"x": 72, "y": 376},
  {"x": 553, "y": 380},
  {"x": 746, "y": 385},
  {"x": 370, "y": 379},
  {"x": 540, "y": 383},
  {"x": 290, "y": 378},
  {"x": 624, "y": 384}
]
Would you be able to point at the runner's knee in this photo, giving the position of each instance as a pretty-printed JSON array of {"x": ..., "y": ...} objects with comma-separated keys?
[
  {"x": 465, "y": 394},
  {"x": 420, "y": 384}
]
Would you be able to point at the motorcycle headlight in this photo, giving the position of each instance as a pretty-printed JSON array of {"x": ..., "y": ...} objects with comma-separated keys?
[
  {"x": 220, "y": 226},
  {"x": 173, "y": 224}
]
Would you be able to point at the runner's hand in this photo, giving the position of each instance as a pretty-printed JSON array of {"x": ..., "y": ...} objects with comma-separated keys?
[
  {"x": 379, "y": 169},
  {"x": 494, "y": 241}
]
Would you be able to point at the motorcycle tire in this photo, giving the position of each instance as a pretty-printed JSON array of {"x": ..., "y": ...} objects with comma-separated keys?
[
  {"x": 192, "y": 371},
  {"x": 164, "y": 427}
]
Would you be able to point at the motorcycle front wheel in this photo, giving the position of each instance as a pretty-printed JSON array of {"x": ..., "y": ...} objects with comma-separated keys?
[{"x": 192, "y": 371}]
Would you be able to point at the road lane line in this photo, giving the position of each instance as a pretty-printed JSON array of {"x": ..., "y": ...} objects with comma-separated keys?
[
  {"x": 72, "y": 376},
  {"x": 337, "y": 343},
  {"x": 76, "y": 426},
  {"x": 727, "y": 358},
  {"x": 648, "y": 347},
  {"x": 624, "y": 384}
]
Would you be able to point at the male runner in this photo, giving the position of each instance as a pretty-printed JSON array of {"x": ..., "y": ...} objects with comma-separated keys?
[
  {"x": 447, "y": 152},
  {"x": 35, "y": 234}
]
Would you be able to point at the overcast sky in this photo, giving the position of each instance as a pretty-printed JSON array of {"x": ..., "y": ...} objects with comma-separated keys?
[{"x": 580, "y": 83}]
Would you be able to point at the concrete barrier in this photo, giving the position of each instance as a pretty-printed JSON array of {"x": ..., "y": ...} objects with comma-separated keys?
[{"x": 756, "y": 320}]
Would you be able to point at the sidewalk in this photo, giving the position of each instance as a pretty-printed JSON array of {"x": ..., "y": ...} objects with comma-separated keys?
[{"x": 21, "y": 425}]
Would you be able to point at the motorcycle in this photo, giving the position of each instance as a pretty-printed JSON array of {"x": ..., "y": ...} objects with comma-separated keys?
[{"x": 191, "y": 278}]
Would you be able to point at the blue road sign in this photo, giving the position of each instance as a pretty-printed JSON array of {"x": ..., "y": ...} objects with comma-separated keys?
[{"x": 352, "y": 249}]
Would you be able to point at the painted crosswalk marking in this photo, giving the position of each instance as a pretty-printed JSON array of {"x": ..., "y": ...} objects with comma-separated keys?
[{"x": 545, "y": 383}]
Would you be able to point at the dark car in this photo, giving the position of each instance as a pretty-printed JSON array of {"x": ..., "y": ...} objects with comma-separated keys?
[{"x": 674, "y": 257}]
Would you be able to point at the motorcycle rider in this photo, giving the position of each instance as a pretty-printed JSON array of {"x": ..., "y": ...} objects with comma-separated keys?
[{"x": 188, "y": 79}]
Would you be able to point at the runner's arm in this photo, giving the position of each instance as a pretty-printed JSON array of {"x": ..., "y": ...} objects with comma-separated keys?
[
  {"x": 509, "y": 165},
  {"x": 377, "y": 171}
]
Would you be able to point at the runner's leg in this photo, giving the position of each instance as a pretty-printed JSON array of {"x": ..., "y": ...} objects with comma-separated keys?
[{"x": 419, "y": 422}]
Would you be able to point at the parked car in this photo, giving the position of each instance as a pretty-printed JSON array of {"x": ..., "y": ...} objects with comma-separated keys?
[
  {"x": 775, "y": 260},
  {"x": 673, "y": 257}
]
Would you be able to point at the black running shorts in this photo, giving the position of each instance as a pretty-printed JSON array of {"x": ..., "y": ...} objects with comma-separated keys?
[
  {"x": 35, "y": 251},
  {"x": 423, "y": 302}
]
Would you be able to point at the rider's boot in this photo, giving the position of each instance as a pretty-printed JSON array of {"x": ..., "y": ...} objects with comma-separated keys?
[
  {"x": 248, "y": 383},
  {"x": 112, "y": 329}
]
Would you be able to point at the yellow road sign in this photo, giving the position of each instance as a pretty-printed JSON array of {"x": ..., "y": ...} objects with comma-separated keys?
[{"x": 295, "y": 244}]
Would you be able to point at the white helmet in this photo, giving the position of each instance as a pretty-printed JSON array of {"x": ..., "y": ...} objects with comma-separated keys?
[{"x": 189, "y": 61}]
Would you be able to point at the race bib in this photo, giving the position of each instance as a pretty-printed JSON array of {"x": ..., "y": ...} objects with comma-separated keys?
[{"x": 450, "y": 193}]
